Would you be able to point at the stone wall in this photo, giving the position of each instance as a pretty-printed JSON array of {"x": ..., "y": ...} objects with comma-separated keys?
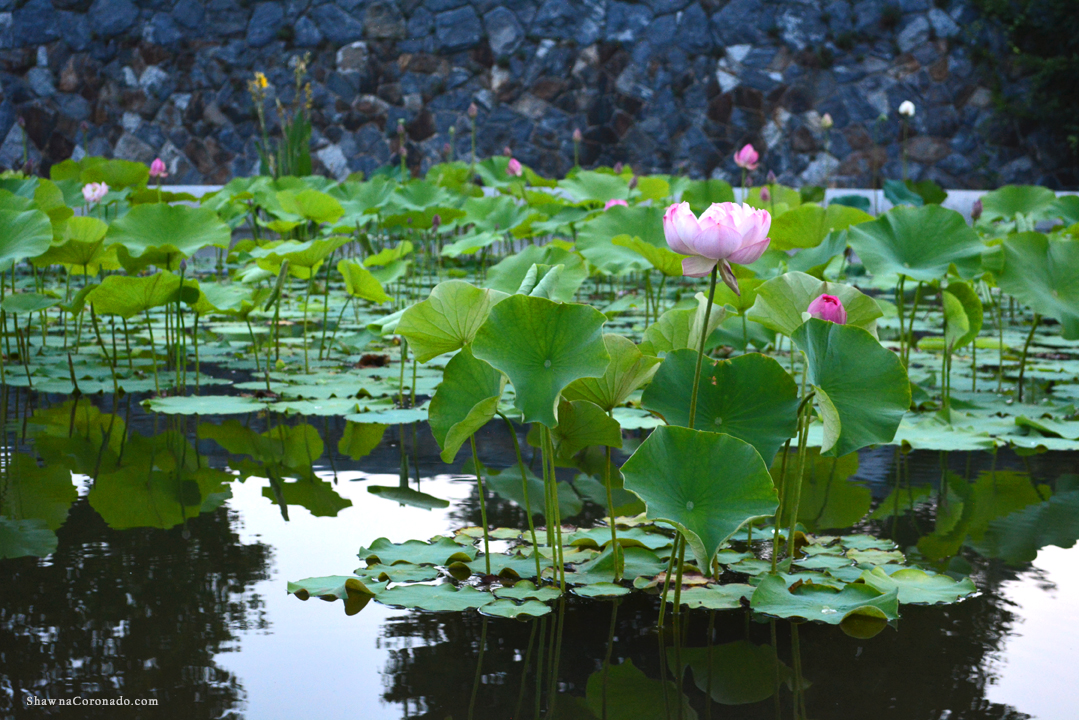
[{"x": 664, "y": 85}]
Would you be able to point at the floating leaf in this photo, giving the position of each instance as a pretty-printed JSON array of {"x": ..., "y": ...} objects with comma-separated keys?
[
  {"x": 19, "y": 538},
  {"x": 918, "y": 587},
  {"x": 601, "y": 590},
  {"x": 436, "y": 598},
  {"x": 408, "y": 496},
  {"x": 525, "y": 590},
  {"x": 351, "y": 589},
  {"x": 637, "y": 561},
  {"x": 717, "y": 597},
  {"x": 441, "y": 552},
  {"x": 824, "y": 604},
  {"x": 510, "y": 609}
]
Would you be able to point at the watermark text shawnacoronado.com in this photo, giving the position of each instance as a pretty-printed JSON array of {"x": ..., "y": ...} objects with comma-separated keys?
[{"x": 79, "y": 701}]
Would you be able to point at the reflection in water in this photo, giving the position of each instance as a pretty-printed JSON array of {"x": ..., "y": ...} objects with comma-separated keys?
[{"x": 149, "y": 579}]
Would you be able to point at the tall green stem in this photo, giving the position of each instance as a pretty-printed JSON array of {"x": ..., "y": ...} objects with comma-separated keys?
[
  {"x": 483, "y": 505},
  {"x": 700, "y": 349},
  {"x": 1023, "y": 360},
  {"x": 524, "y": 489}
]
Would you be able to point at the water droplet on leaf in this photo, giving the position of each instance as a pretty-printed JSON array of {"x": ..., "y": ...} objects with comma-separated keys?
[
  {"x": 546, "y": 363},
  {"x": 689, "y": 505}
]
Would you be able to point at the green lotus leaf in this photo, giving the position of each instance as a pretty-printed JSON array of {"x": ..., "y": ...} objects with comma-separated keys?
[
  {"x": 495, "y": 214},
  {"x": 641, "y": 222},
  {"x": 349, "y": 588},
  {"x": 964, "y": 313},
  {"x": 600, "y": 537},
  {"x": 1011, "y": 200},
  {"x": 441, "y": 552},
  {"x": 234, "y": 299},
  {"x": 304, "y": 258},
  {"x": 601, "y": 590},
  {"x": 42, "y": 492},
  {"x": 23, "y": 235},
  {"x": 389, "y": 255},
  {"x": 1039, "y": 271},
  {"x": 628, "y": 370},
  {"x": 823, "y": 604},
  {"x": 138, "y": 496},
  {"x": 625, "y": 693},
  {"x": 637, "y": 562},
  {"x": 1017, "y": 537},
  {"x": 202, "y": 404},
  {"x": 922, "y": 243},
  {"x": 128, "y": 296},
  {"x": 360, "y": 283},
  {"x": 408, "y": 496},
  {"x": 806, "y": 226},
  {"x": 25, "y": 303},
  {"x": 311, "y": 205},
  {"x": 316, "y": 496},
  {"x": 512, "y": 610},
  {"x": 526, "y": 590},
  {"x": 862, "y": 389},
  {"x": 814, "y": 261},
  {"x": 542, "y": 346},
  {"x": 436, "y": 598},
  {"x": 581, "y": 424},
  {"x": 680, "y": 329},
  {"x": 661, "y": 258},
  {"x": 737, "y": 673},
  {"x": 706, "y": 484},
  {"x": 508, "y": 275},
  {"x": 897, "y": 193},
  {"x": 391, "y": 272},
  {"x": 829, "y": 500},
  {"x": 750, "y": 397},
  {"x": 115, "y": 173},
  {"x": 397, "y": 573},
  {"x": 918, "y": 587},
  {"x": 20, "y": 538},
  {"x": 717, "y": 597},
  {"x": 163, "y": 235},
  {"x": 447, "y": 320},
  {"x": 701, "y": 194},
  {"x": 470, "y": 243},
  {"x": 1066, "y": 208},
  {"x": 359, "y": 439},
  {"x": 80, "y": 245},
  {"x": 465, "y": 401},
  {"x": 589, "y": 186},
  {"x": 505, "y": 566},
  {"x": 781, "y": 302}
]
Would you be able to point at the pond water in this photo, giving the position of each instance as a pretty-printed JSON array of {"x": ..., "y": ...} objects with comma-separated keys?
[{"x": 197, "y": 615}]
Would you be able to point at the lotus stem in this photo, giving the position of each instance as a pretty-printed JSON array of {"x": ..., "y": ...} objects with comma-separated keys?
[
  {"x": 306, "y": 303},
  {"x": 899, "y": 313},
  {"x": 401, "y": 383},
  {"x": 678, "y": 580},
  {"x": 198, "y": 389},
  {"x": 153, "y": 353},
  {"x": 254, "y": 345},
  {"x": 1000, "y": 348},
  {"x": 910, "y": 329},
  {"x": 610, "y": 511},
  {"x": 1023, "y": 359},
  {"x": 548, "y": 453},
  {"x": 479, "y": 667},
  {"x": 326, "y": 305},
  {"x": 524, "y": 488},
  {"x": 667, "y": 579},
  {"x": 804, "y": 419},
  {"x": 779, "y": 508},
  {"x": 483, "y": 504},
  {"x": 700, "y": 349}
]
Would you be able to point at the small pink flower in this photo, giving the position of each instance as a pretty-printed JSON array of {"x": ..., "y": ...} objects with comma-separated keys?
[
  {"x": 726, "y": 233},
  {"x": 765, "y": 195},
  {"x": 611, "y": 203},
  {"x": 747, "y": 158},
  {"x": 94, "y": 192},
  {"x": 157, "y": 169},
  {"x": 473, "y": 111},
  {"x": 830, "y": 308},
  {"x": 514, "y": 168},
  {"x": 577, "y": 136}
]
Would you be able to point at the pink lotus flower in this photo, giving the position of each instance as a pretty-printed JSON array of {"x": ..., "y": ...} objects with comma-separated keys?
[
  {"x": 94, "y": 192},
  {"x": 747, "y": 158},
  {"x": 830, "y": 308},
  {"x": 611, "y": 203},
  {"x": 514, "y": 168},
  {"x": 765, "y": 195},
  {"x": 726, "y": 233},
  {"x": 577, "y": 136},
  {"x": 157, "y": 169}
]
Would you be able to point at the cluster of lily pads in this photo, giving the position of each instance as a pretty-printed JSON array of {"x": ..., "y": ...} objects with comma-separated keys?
[{"x": 521, "y": 299}]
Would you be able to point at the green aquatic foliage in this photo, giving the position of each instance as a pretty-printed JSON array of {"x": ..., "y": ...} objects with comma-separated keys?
[
  {"x": 628, "y": 370},
  {"x": 163, "y": 235},
  {"x": 681, "y": 328},
  {"x": 1010, "y": 201},
  {"x": 862, "y": 389},
  {"x": 408, "y": 496},
  {"x": 829, "y": 500},
  {"x": 440, "y": 552},
  {"x": 626, "y": 693},
  {"x": 465, "y": 401},
  {"x": 963, "y": 313},
  {"x": 130, "y": 296},
  {"x": 782, "y": 302},
  {"x": 916, "y": 586},
  {"x": 360, "y": 439},
  {"x": 28, "y": 302},
  {"x": 509, "y": 275},
  {"x": 32, "y": 491},
  {"x": 507, "y": 485},
  {"x": 924, "y": 243},
  {"x": 706, "y": 484},
  {"x": 349, "y": 588},
  {"x": 806, "y": 226},
  {"x": 20, "y": 538},
  {"x": 581, "y": 424},
  {"x": 1040, "y": 272},
  {"x": 436, "y": 598},
  {"x": 23, "y": 234},
  {"x": 1017, "y": 537},
  {"x": 448, "y": 319},
  {"x": 853, "y": 604},
  {"x": 360, "y": 283},
  {"x": 735, "y": 673},
  {"x": 542, "y": 346}
]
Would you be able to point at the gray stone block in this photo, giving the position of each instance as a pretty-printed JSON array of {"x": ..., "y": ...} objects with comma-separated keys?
[
  {"x": 504, "y": 31},
  {"x": 457, "y": 29},
  {"x": 266, "y": 20},
  {"x": 112, "y": 17}
]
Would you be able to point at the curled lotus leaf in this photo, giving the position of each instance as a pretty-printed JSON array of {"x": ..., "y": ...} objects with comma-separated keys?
[
  {"x": 465, "y": 401},
  {"x": 1039, "y": 271},
  {"x": 823, "y": 604},
  {"x": 355, "y": 592},
  {"x": 681, "y": 329},
  {"x": 447, "y": 320},
  {"x": 923, "y": 243},
  {"x": 782, "y": 301},
  {"x": 628, "y": 370},
  {"x": 161, "y": 234}
]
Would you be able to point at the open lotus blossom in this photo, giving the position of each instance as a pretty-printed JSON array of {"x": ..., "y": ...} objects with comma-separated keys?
[
  {"x": 830, "y": 308},
  {"x": 157, "y": 169},
  {"x": 94, "y": 192},
  {"x": 747, "y": 158},
  {"x": 726, "y": 233},
  {"x": 514, "y": 168},
  {"x": 611, "y": 203}
]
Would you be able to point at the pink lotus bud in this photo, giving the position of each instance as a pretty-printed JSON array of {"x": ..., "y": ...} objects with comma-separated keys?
[
  {"x": 84, "y": 126},
  {"x": 436, "y": 220},
  {"x": 157, "y": 169},
  {"x": 826, "y": 121},
  {"x": 771, "y": 178},
  {"x": 633, "y": 183},
  {"x": 611, "y": 203},
  {"x": 446, "y": 148},
  {"x": 514, "y": 168},
  {"x": 473, "y": 110},
  {"x": 765, "y": 195},
  {"x": 577, "y": 135},
  {"x": 507, "y": 152},
  {"x": 94, "y": 192},
  {"x": 725, "y": 232},
  {"x": 830, "y": 308},
  {"x": 618, "y": 168},
  {"x": 976, "y": 210},
  {"x": 747, "y": 158}
]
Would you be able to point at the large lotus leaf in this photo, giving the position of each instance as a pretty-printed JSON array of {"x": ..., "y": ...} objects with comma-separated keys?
[
  {"x": 508, "y": 275},
  {"x": 1067, "y": 209},
  {"x": 1011, "y": 200},
  {"x": 600, "y": 537},
  {"x": 497, "y": 213},
  {"x": 304, "y": 258},
  {"x": 436, "y": 598},
  {"x": 391, "y": 272},
  {"x": 128, "y": 296},
  {"x": 27, "y": 302},
  {"x": 897, "y": 193},
  {"x": 360, "y": 283},
  {"x": 807, "y": 225},
  {"x": 465, "y": 401},
  {"x": 398, "y": 573},
  {"x": 597, "y": 187},
  {"x": 628, "y": 370},
  {"x": 581, "y": 424},
  {"x": 526, "y": 590},
  {"x": 736, "y": 673},
  {"x": 918, "y": 587},
  {"x": 635, "y": 562},
  {"x": 232, "y": 299},
  {"x": 781, "y": 302},
  {"x": 138, "y": 496},
  {"x": 42, "y": 492},
  {"x": 594, "y": 237},
  {"x": 115, "y": 173},
  {"x": 601, "y": 590},
  {"x": 515, "y": 611},
  {"x": 680, "y": 329},
  {"x": 448, "y": 319},
  {"x": 922, "y": 243},
  {"x": 964, "y": 312},
  {"x": 661, "y": 258},
  {"x": 701, "y": 194},
  {"x": 201, "y": 404},
  {"x": 310, "y": 205},
  {"x": 19, "y": 538},
  {"x": 507, "y": 484},
  {"x": 1017, "y": 537},
  {"x": 824, "y": 604},
  {"x": 1040, "y": 272},
  {"x": 862, "y": 389},
  {"x": 717, "y": 597},
  {"x": 441, "y": 552},
  {"x": 163, "y": 235},
  {"x": 542, "y": 346},
  {"x": 349, "y": 588},
  {"x": 707, "y": 484},
  {"x": 359, "y": 439},
  {"x": 23, "y": 235},
  {"x": 389, "y": 255},
  {"x": 625, "y": 693},
  {"x": 470, "y": 243},
  {"x": 750, "y": 397},
  {"x": 814, "y": 261}
]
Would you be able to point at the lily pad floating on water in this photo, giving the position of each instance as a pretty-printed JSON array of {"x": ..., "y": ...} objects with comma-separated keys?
[
  {"x": 601, "y": 590},
  {"x": 717, "y": 597},
  {"x": 444, "y": 597},
  {"x": 204, "y": 405},
  {"x": 857, "y": 607},
  {"x": 19, "y": 538},
  {"x": 918, "y": 587},
  {"x": 403, "y": 572},
  {"x": 349, "y": 588},
  {"x": 512, "y": 610},
  {"x": 525, "y": 590},
  {"x": 442, "y": 551}
]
